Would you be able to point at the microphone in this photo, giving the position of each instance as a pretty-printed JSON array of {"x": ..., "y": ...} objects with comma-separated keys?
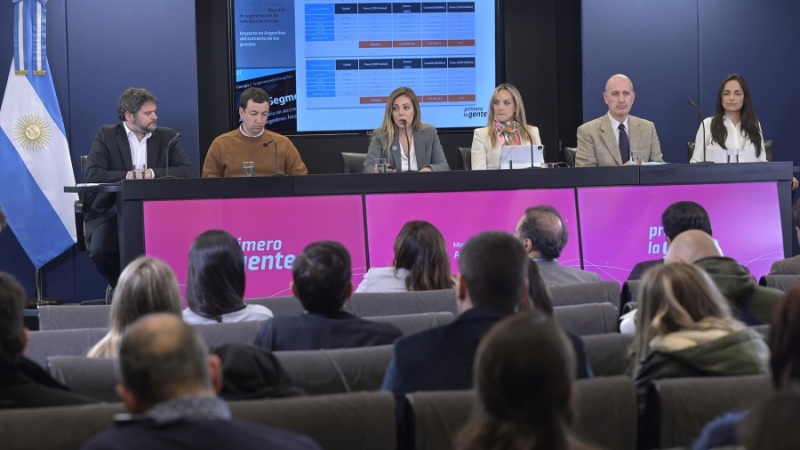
[
  {"x": 530, "y": 138},
  {"x": 408, "y": 140},
  {"x": 703, "y": 124},
  {"x": 169, "y": 144},
  {"x": 266, "y": 144}
]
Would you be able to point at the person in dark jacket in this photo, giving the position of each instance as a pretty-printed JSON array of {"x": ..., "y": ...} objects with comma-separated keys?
[
  {"x": 322, "y": 282},
  {"x": 23, "y": 384}
]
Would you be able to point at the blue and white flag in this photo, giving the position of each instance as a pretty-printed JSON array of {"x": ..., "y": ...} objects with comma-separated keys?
[{"x": 35, "y": 161}]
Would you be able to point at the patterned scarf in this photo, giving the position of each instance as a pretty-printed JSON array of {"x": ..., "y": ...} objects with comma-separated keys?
[{"x": 507, "y": 133}]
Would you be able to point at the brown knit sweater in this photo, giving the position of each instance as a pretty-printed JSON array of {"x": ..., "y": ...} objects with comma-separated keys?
[{"x": 229, "y": 150}]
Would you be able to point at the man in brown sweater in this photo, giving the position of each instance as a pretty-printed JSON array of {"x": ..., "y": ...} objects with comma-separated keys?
[{"x": 251, "y": 142}]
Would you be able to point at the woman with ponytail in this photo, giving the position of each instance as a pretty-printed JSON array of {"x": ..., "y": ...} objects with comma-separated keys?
[{"x": 507, "y": 126}]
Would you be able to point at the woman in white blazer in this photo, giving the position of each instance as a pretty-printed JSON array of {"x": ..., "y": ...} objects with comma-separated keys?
[{"x": 506, "y": 126}]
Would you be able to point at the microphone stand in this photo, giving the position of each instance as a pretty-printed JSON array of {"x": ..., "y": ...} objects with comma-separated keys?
[
  {"x": 702, "y": 124},
  {"x": 274, "y": 144},
  {"x": 171, "y": 141},
  {"x": 408, "y": 141}
]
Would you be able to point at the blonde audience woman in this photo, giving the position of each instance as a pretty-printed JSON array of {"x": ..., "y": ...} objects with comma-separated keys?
[
  {"x": 685, "y": 329},
  {"x": 525, "y": 399},
  {"x": 506, "y": 126},
  {"x": 421, "y": 262},
  {"x": 406, "y": 142},
  {"x": 147, "y": 285}
]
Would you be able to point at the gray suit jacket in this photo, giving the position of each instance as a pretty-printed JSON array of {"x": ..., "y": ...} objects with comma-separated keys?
[
  {"x": 788, "y": 266},
  {"x": 427, "y": 148},
  {"x": 554, "y": 274},
  {"x": 597, "y": 145}
]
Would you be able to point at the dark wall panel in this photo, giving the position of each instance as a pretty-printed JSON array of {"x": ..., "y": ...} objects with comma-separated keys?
[{"x": 655, "y": 44}]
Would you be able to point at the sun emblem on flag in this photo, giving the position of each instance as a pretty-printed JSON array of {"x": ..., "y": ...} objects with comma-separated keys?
[{"x": 32, "y": 132}]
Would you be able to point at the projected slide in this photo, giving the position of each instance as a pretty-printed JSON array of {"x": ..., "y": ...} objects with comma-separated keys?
[
  {"x": 271, "y": 231},
  {"x": 330, "y": 66}
]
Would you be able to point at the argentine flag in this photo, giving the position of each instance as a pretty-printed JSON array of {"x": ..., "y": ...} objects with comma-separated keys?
[{"x": 35, "y": 161}]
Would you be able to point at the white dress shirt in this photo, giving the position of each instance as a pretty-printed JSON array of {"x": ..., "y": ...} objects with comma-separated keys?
[
  {"x": 736, "y": 143},
  {"x": 383, "y": 279}
]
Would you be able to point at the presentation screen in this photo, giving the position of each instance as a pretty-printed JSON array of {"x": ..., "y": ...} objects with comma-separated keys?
[
  {"x": 621, "y": 226},
  {"x": 461, "y": 215},
  {"x": 271, "y": 231},
  {"x": 330, "y": 65}
]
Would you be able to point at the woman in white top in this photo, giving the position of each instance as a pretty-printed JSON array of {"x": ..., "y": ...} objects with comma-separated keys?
[
  {"x": 733, "y": 130},
  {"x": 421, "y": 263},
  {"x": 506, "y": 126},
  {"x": 216, "y": 281}
]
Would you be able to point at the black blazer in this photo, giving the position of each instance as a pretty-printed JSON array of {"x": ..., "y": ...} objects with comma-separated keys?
[
  {"x": 109, "y": 161},
  {"x": 313, "y": 331}
]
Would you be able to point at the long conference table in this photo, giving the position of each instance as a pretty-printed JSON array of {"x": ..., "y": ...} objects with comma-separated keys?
[{"x": 612, "y": 214}]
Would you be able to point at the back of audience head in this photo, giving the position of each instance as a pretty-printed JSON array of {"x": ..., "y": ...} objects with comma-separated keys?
[
  {"x": 494, "y": 271},
  {"x": 525, "y": 401},
  {"x": 676, "y": 297},
  {"x": 784, "y": 339},
  {"x": 542, "y": 230},
  {"x": 773, "y": 424},
  {"x": 161, "y": 358},
  {"x": 683, "y": 216},
  {"x": 13, "y": 334},
  {"x": 539, "y": 297},
  {"x": 321, "y": 277},
  {"x": 420, "y": 249},
  {"x": 146, "y": 285},
  {"x": 690, "y": 246},
  {"x": 216, "y": 280}
]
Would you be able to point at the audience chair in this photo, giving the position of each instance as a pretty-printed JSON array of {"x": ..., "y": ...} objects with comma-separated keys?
[
  {"x": 465, "y": 157},
  {"x": 569, "y": 155},
  {"x": 352, "y": 162},
  {"x": 628, "y": 294},
  {"x": 62, "y": 317},
  {"x": 588, "y": 319},
  {"x": 43, "y": 344},
  {"x": 609, "y": 354},
  {"x": 393, "y": 303},
  {"x": 582, "y": 293},
  {"x": 782, "y": 282},
  {"x": 79, "y": 224},
  {"x": 676, "y": 409},
  {"x": 414, "y": 323}
]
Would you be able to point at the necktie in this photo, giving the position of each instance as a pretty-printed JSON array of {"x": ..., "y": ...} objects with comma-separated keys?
[{"x": 624, "y": 145}]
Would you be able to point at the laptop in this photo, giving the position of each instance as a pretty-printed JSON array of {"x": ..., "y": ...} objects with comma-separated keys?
[{"x": 519, "y": 156}]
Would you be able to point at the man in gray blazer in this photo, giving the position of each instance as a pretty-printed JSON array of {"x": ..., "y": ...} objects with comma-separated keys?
[
  {"x": 599, "y": 140},
  {"x": 543, "y": 235}
]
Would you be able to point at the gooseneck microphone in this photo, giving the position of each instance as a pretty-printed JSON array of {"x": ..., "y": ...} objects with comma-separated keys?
[
  {"x": 703, "y": 124},
  {"x": 530, "y": 138},
  {"x": 266, "y": 144},
  {"x": 169, "y": 145},
  {"x": 408, "y": 141}
]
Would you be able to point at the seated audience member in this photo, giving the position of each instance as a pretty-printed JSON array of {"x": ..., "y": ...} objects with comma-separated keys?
[
  {"x": 749, "y": 302},
  {"x": 539, "y": 299},
  {"x": 321, "y": 280},
  {"x": 506, "y": 126},
  {"x": 421, "y": 262},
  {"x": 789, "y": 266},
  {"x": 23, "y": 384},
  {"x": 168, "y": 383},
  {"x": 610, "y": 140},
  {"x": 147, "y": 285},
  {"x": 685, "y": 329},
  {"x": 216, "y": 281},
  {"x": 677, "y": 218},
  {"x": 403, "y": 139},
  {"x": 251, "y": 142},
  {"x": 784, "y": 361},
  {"x": 773, "y": 424},
  {"x": 525, "y": 400},
  {"x": 544, "y": 236},
  {"x": 490, "y": 287}
]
